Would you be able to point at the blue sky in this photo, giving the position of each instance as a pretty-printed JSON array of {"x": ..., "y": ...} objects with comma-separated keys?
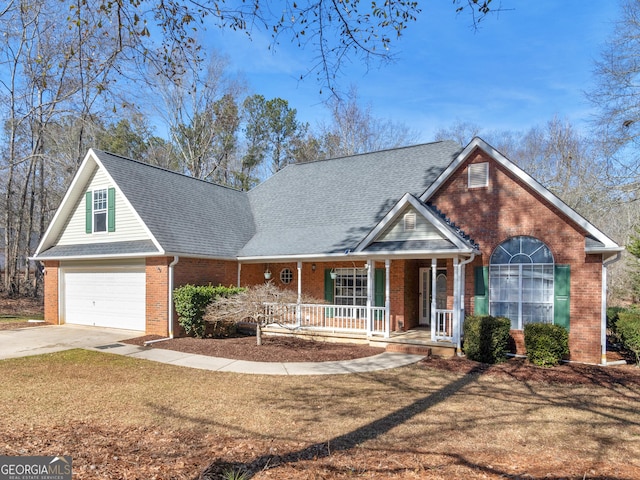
[{"x": 524, "y": 65}]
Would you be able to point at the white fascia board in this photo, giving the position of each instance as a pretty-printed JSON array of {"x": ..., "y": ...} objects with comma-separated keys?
[
  {"x": 477, "y": 142},
  {"x": 128, "y": 203},
  {"x": 68, "y": 201},
  {"x": 604, "y": 250},
  {"x": 394, "y": 213}
]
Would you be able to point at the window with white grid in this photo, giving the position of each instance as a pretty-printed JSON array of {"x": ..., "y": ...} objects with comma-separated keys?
[
  {"x": 350, "y": 286},
  {"x": 521, "y": 276},
  {"x": 100, "y": 210}
]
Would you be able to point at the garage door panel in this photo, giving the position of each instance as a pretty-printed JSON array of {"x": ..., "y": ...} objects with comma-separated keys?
[{"x": 105, "y": 297}]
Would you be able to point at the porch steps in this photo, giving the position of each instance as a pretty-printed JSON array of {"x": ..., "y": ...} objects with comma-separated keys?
[{"x": 408, "y": 348}]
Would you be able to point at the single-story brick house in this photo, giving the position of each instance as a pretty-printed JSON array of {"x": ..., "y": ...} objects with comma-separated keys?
[{"x": 389, "y": 241}]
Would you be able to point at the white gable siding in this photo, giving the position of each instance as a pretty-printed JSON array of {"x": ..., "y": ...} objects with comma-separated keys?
[
  {"x": 424, "y": 230},
  {"x": 128, "y": 227}
]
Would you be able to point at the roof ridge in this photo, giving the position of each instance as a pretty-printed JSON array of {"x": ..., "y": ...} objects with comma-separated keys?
[
  {"x": 382, "y": 150},
  {"x": 122, "y": 157}
]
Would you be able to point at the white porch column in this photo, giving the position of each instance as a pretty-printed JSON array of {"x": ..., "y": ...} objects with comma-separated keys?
[
  {"x": 434, "y": 319},
  {"x": 299, "y": 309},
  {"x": 456, "y": 304},
  {"x": 387, "y": 299},
  {"x": 370, "y": 290}
]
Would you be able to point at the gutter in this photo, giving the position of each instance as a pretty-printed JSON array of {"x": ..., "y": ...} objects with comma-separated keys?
[
  {"x": 176, "y": 259},
  {"x": 603, "y": 316}
]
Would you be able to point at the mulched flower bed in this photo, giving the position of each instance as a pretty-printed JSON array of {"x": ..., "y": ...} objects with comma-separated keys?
[{"x": 273, "y": 348}]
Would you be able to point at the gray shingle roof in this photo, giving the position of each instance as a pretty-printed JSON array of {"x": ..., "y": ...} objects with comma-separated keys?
[
  {"x": 185, "y": 215},
  {"x": 100, "y": 249},
  {"x": 328, "y": 206}
]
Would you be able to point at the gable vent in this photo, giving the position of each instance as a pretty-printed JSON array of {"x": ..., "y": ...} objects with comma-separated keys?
[
  {"x": 409, "y": 222},
  {"x": 478, "y": 175}
]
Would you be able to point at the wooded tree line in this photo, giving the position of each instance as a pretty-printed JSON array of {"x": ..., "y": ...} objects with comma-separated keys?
[{"x": 79, "y": 75}]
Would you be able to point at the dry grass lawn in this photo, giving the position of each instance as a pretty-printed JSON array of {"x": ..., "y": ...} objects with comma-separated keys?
[{"x": 120, "y": 417}]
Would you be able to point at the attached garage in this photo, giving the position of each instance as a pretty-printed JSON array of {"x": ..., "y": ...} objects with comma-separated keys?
[{"x": 104, "y": 295}]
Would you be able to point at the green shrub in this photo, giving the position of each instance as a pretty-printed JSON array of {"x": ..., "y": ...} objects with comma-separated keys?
[
  {"x": 546, "y": 344},
  {"x": 612, "y": 317},
  {"x": 628, "y": 328},
  {"x": 192, "y": 300},
  {"x": 486, "y": 338}
]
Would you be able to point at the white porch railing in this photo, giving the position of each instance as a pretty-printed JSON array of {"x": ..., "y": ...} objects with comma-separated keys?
[
  {"x": 442, "y": 327},
  {"x": 331, "y": 318}
]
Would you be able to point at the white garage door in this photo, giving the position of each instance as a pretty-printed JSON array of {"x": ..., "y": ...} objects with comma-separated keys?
[{"x": 105, "y": 296}]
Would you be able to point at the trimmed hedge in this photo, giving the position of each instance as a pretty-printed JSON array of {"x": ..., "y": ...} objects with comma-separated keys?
[
  {"x": 628, "y": 328},
  {"x": 546, "y": 343},
  {"x": 486, "y": 338},
  {"x": 191, "y": 301}
]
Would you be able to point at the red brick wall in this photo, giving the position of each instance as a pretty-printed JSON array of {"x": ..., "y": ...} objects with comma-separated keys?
[
  {"x": 195, "y": 271},
  {"x": 199, "y": 271},
  {"x": 508, "y": 208},
  {"x": 157, "y": 295},
  {"x": 51, "y": 300}
]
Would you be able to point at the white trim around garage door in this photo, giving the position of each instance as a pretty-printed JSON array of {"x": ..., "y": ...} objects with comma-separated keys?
[{"x": 103, "y": 294}]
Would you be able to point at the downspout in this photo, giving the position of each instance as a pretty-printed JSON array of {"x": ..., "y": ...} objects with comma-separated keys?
[
  {"x": 176, "y": 259},
  {"x": 603, "y": 321},
  {"x": 461, "y": 308}
]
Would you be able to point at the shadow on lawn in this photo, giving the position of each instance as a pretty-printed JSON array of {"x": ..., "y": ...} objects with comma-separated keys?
[
  {"x": 347, "y": 442},
  {"x": 343, "y": 442}
]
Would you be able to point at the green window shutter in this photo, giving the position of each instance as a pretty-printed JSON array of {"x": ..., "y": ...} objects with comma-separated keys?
[
  {"x": 379, "y": 290},
  {"x": 561, "y": 297},
  {"x": 481, "y": 293},
  {"x": 89, "y": 212},
  {"x": 111, "y": 210},
  {"x": 328, "y": 292},
  {"x": 328, "y": 286}
]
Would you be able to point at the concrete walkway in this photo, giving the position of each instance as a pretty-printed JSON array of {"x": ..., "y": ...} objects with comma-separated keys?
[{"x": 49, "y": 339}]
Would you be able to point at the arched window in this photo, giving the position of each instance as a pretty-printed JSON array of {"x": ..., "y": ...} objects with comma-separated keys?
[{"x": 521, "y": 282}]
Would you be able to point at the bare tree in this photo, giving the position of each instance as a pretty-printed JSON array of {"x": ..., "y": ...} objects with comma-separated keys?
[
  {"x": 354, "y": 129},
  {"x": 335, "y": 31},
  {"x": 200, "y": 108},
  {"x": 259, "y": 305},
  {"x": 616, "y": 96},
  {"x": 49, "y": 73}
]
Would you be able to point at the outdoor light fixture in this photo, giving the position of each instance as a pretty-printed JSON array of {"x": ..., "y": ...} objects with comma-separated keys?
[
  {"x": 313, "y": 267},
  {"x": 267, "y": 273}
]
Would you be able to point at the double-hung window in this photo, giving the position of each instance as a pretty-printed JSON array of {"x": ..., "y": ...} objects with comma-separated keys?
[
  {"x": 521, "y": 276},
  {"x": 100, "y": 210},
  {"x": 351, "y": 286}
]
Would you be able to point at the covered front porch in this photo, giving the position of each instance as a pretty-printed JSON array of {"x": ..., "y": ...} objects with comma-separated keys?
[{"x": 410, "y": 301}]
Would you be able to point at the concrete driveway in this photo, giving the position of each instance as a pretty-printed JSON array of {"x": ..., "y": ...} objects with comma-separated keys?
[{"x": 55, "y": 338}]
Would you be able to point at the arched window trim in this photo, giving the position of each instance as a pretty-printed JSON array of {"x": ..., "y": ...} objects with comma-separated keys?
[{"x": 522, "y": 291}]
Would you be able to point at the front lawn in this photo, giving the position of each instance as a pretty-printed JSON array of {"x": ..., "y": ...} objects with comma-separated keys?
[{"x": 119, "y": 417}]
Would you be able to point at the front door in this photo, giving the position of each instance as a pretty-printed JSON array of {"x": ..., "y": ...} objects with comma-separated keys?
[{"x": 425, "y": 294}]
